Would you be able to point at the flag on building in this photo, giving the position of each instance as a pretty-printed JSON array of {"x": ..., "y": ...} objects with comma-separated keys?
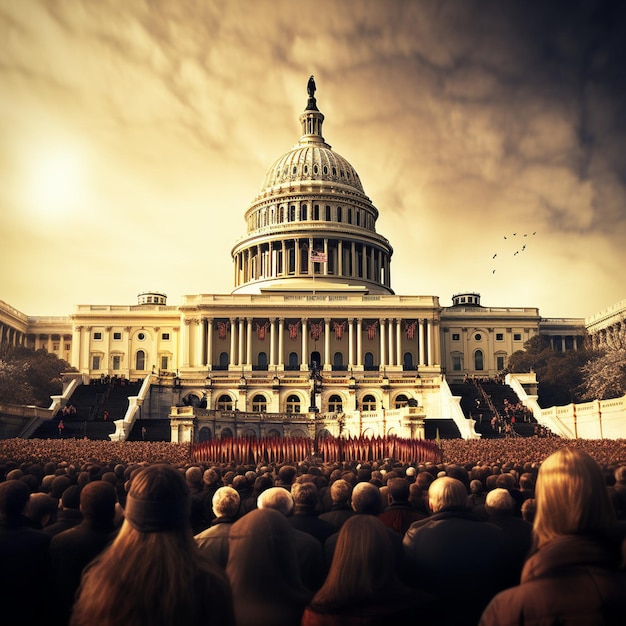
[{"x": 319, "y": 257}]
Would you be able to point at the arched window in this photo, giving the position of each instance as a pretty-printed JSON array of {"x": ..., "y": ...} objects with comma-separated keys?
[
  {"x": 227, "y": 433},
  {"x": 140, "y": 360},
  {"x": 262, "y": 361},
  {"x": 224, "y": 403},
  {"x": 224, "y": 360},
  {"x": 259, "y": 404},
  {"x": 401, "y": 400},
  {"x": 368, "y": 362},
  {"x": 293, "y": 404},
  {"x": 316, "y": 359},
  {"x": 338, "y": 361},
  {"x": 335, "y": 404},
  {"x": 478, "y": 360},
  {"x": 294, "y": 362},
  {"x": 368, "y": 403},
  {"x": 204, "y": 434},
  {"x": 408, "y": 361}
]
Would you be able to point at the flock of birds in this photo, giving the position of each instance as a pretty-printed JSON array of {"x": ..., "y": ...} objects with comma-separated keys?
[{"x": 519, "y": 249}]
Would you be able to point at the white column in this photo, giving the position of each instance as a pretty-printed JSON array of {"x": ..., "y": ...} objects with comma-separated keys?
[
  {"x": 281, "y": 341},
  {"x": 242, "y": 332},
  {"x": 86, "y": 346},
  {"x": 233, "y": 343},
  {"x": 350, "y": 342},
  {"x": 199, "y": 358},
  {"x": 249, "y": 342},
  {"x": 429, "y": 342},
  {"x": 327, "y": 359},
  {"x": 77, "y": 337},
  {"x": 209, "y": 342},
  {"x": 304, "y": 358},
  {"x": 359, "y": 342},
  {"x": 340, "y": 258},
  {"x": 399, "y": 342},
  {"x": 420, "y": 339},
  {"x": 273, "y": 341},
  {"x": 391, "y": 360},
  {"x": 383, "y": 347},
  {"x": 184, "y": 345}
]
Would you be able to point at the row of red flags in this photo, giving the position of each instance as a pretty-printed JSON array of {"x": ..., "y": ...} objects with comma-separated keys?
[{"x": 245, "y": 450}]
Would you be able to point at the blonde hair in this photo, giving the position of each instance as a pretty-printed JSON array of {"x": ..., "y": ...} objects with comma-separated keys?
[
  {"x": 571, "y": 497},
  {"x": 446, "y": 492}
]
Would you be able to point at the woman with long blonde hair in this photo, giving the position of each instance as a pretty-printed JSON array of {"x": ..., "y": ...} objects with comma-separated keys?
[
  {"x": 574, "y": 575},
  {"x": 153, "y": 573}
]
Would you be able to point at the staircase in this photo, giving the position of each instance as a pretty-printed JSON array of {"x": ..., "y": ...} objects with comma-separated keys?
[
  {"x": 156, "y": 430},
  {"x": 447, "y": 429},
  {"x": 474, "y": 406}
]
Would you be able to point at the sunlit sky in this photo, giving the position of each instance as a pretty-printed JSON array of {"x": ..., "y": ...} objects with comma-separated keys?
[{"x": 133, "y": 136}]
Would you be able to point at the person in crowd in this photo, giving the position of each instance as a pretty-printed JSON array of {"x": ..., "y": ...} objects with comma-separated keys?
[
  {"x": 41, "y": 510},
  {"x": 211, "y": 482},
  {"x": 517, "y": 533},
  {"x": 574, "y": 575},
  {"x": 305, "y": 513},
  {"x": 451, "y": 548},
  {"x": 263, "y": 571},
  {"x": 193, "y": 477},
  {"x": 399, "y": 515},
  {"x": 69, "y": 515},
  {"x": 72, "y": 550},
  {"x": 213, "y": 542},
  {"x": 340, "y": 510},
  {"x": 362, "y": 586},
  {"x": 259, "y": 485},
  {"x": 308, "y": 548},
  {"x": 23, "y": 555},
  {"x": 153, "y": 572}
]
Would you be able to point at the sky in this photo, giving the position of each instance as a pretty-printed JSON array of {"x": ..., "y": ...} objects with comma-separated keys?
[{"x": 490, "y": 135}]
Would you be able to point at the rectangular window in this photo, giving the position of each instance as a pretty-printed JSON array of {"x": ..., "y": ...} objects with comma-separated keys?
[
  {"x": 165, "y": 337},
  {"x": 95, "y": 362},
  {"x": 117, "y": 361},
  {"x": 456, "y": 363},
  {"x": 164, "y": 362},
  {"x": 500, "y": 363},
  {"x": 55, "y": 347},
  {"x": 97, "y": 336},
  {"x": 456, "y": 337},
  {"x": 68, "y": 346},
  {"x": 117, "y": 336},
  {"x": 499, "y": 336},
  {"x": 517, "y": 336}
]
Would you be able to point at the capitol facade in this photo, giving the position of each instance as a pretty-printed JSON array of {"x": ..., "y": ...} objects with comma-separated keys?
[{"x": 311, "y": 340}]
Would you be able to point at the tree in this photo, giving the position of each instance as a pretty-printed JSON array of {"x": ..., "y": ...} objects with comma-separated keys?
[
  {"x": 30, "y": 376},
  {"x": 605, "y": 375}
]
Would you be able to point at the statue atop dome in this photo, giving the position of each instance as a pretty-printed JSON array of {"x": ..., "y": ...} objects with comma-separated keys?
[{"x": 311, "y": 88}]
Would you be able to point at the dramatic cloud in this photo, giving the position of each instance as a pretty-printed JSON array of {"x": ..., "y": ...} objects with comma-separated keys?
[{"x": 135, "y": 134}]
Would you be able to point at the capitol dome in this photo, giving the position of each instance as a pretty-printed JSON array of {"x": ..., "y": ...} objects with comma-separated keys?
[{"x": 312, "y": 206}]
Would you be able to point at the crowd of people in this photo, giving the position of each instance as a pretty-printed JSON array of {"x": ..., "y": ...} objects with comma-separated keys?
[{"x": 503, "y": 531}]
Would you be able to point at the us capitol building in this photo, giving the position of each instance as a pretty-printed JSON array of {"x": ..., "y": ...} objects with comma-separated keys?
[{"x": 312, "y": 338}]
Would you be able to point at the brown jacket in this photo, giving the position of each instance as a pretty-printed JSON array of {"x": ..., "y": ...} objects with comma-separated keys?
[{"x": 571, "y": 580}]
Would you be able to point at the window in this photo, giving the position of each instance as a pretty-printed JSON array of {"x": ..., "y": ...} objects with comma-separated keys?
[
  {"x": 517, "y": 336},
  {"x": 165, "y": 336},
  {"x": 456, "y": 337},
  {"x": 408, "y": 361},
  {"x": 141, "y": 336},
  {"x": 500, "y": 363},
  {"x": 55, "y": 346},
  {"x": 478, "y": 336},
  {"x": 225, "y": 403},
  {"x": 140, "y": 360},
  {"x": 117, "y": 361},
  {"x": 499, "y": 336},
  {"x": 368, "y": 403},
  {"x": 117, "y": 336},
  {"x": 68, "y": 346},
  {"x": 164, "y": 362},
  {"x": 262, "y": 361},
  {"x": 401, "y": 400},
  {"x": 457, "y": 363},
  {"x": 478, "y": 360},
  {"x": 293, "y": 404},
  {"x": 338, "y": 361},
  {"x": 259, "y": 404},
  {"x": 294, "y": 362},
  {"x": 97, "y": 336},
  {"x": 335, "y": 404},
  {"x": 95, "y": 362}
]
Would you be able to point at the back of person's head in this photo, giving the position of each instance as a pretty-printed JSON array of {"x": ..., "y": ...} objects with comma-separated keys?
[
  {"x": 158, "y": 500},
  {"x": 59, "y": 485},
  {"x": 571, "y": 497},
  {"x": 14, "y": 496},
  {"x": 193, "y": 476},
  {"x": 527, "y": 481},
  {"x": 42, "y": 509},
  {"x": 460, "y": 473},
  {"x": 620, "y": 474},
  {"x": 340, "y": 491},
  {"x": 476, "y": 486},
  {"x": 287, "y": 474},
  {"x": 71, "y": 497},
  {"x": 210, "y": 477},
  {"x": 398, "y": 490},
  {"x": 366, "y": 499},
  {"x": 276, "y": 498},
  {"x": 362, "y": 564},
  {"x": 528, "y": 510},
  {"x": 424, "y": 480},
  {"x": 241, "y": 483},
  {"x": 506, "y": 481},
  {"x": 447, "y": 493},
  {"x": 305, "y": 495},
  {"x": 225, "y": 502},
  {"x": 97, "y": 502},
  {"x": 500, "y": 501}
]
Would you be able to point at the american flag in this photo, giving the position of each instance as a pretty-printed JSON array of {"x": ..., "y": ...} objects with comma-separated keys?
[{"x": 319, "y": 257}]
